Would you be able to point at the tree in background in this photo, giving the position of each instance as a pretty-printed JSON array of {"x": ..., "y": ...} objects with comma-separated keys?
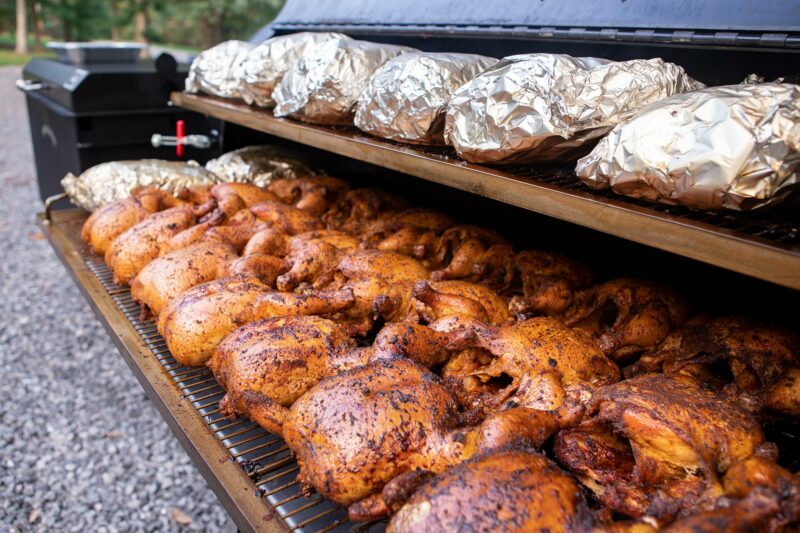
[
  {"x": 22, "y": 28},
  {"x": 191, "y": 23}
]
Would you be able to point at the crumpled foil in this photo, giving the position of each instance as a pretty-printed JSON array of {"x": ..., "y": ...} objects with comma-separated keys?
[
  {"x": 218, "y": 70},
  {"x": 733, "y": 147},
  {"x": 544, "y": 107},
  {"x": 265, "y": 65},
  {"x": 260, "y": 165},
  {"x": 109, "y": 182},
  {"x": 406, "y": 98},
  {"x": 324, "y": 85}
]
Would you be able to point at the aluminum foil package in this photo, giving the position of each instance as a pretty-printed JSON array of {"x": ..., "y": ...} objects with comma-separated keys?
[
  {"x": 266, "y": 64},
  {"x": 545, "y": 107},
  {"x": 109, "y": 182},
  {"x": 733, "y": 147},
  {"x": 324, "y": 85},
  {"x": 406, "y": 98},
  {"x": 218, "y": 70},
  {"x": 260, "y": 165}
]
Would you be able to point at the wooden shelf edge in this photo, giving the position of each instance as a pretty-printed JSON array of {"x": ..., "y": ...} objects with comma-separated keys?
[
  {"x": 233, "y": 488},
  {"x": 715, "y": 246}
]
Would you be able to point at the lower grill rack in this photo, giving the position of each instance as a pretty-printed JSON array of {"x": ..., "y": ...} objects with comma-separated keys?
[{"x": 265, "y": 457}]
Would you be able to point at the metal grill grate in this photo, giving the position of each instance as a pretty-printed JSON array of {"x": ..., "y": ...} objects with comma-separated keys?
[{"x": 264, "y": 457}]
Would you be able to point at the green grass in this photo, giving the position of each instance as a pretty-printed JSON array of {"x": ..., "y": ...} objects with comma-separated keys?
[{"x": 8, "y": 57}]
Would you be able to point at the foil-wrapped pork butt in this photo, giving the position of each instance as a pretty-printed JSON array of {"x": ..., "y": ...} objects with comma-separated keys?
[
  {"x": 734, "y": 147},
  {"x": 218, "y": 70},
  {"x": 406, "y": 98},
  {"x": 260, "y": 165},
  {"x": 324, "y": 85},
  {"x": 545, "y": 107},
  {"x": 265, "y": 65}
]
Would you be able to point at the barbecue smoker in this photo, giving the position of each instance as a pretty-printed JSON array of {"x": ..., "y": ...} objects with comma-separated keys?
[{"x": 726, "y": 260}]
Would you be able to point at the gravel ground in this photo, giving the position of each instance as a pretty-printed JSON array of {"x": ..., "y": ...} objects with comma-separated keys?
[{"x": 81, "y": 447}]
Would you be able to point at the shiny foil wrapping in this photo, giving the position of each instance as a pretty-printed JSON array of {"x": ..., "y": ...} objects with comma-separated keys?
[
  {"x": 733, "y": 147},
  {"x": 546, "y": 107},
  {"x": 260, "y": 165},
  {"x": 265, "y": 65},
  {"x": 406, "y": 98},
  {"x": 218, "y": 70},
  {"x": 109, "y": 182},
  {"x": 324, "y": 85}
]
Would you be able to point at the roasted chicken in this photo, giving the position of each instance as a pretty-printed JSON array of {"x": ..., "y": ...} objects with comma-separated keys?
[
  {"x": 311, "y": 254},
  {"x": 141, "y": 243},
  {"x": 627, "y": 316},
  {"x": 233, "y": 197},
  {"x": 762, "y": 361},
  {"x": 439, "y": 300},
  {"x": 360, "y": 208},
  {"x": 656, "y": 445},
  {"x": 108, "y": 222},
  {"x": 314, "y": 194},
  {"x": 472, "y": 253},
  {"x": 412, "y": 232},
  {"x": 539, "y": 363},
  {"x": 506, "y": 491},
  {"x": 357, "y": 430},
  {"x": 548, "y": 281},
  {"x": 195, "y": 323},
  {"x": 381, "y": 283},
  {"x": 266, "y": 365}
]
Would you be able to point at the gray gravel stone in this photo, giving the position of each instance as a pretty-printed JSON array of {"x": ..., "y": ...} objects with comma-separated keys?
[{"x": 81, "y": 448}]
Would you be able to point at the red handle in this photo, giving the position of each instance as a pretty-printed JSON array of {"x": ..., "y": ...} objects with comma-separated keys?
[{"x": 180, "y": 133}]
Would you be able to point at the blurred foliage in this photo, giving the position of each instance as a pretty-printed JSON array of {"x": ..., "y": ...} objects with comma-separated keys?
[{"x": 190, "y": 23}]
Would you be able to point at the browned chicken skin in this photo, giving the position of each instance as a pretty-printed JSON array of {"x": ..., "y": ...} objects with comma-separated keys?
[
  {"x": 411, "y": 232},
  {"x": 441, "y": 299},
  {"x": 539, "y": 364},
  {"x": 656, "y": 444},
  {"x": 312, "y": 254},
  {"x": 549, "y": 281},
  {"x": 360, "y": 208},
  {"x": 314, "y": 194},
  {"x": 265, "y": 366},
  {"x": 357, "y": 430},
  {"x": 108, "y": 222},
  {"x": 513, "y": 491},
  {"x": 195, "y": 323},
  {"x": 381, "y": 283},
  {"x": 233, "y": 197},
  {"x": 143, "y": 242},
  {"x": 627, "y": 316},
  {"x": 761, "y": 360},
  {"x": 286, "y": 218},
  {"x": 472, "y": 253}
]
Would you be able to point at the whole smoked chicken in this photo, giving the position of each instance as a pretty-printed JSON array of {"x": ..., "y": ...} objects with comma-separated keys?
[
  {"x": 136, "y": 247},
  {"x": 549, "y": 282},
  {"x": 313, "y": 194},
  {"x": 627, "y": 316},
  {"x": 657, "y": 444},
  {"x": 513, "y": 491},
  {"x": 195, "y": 323},
  {"x": 762, "y": 361},
  {"x": 266, "y": 365},
  {"x": 111, "y": 220}
]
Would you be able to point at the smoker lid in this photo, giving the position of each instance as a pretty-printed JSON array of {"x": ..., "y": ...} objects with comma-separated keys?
[
  {"x": 610, "y": 16},
  {"x": 105, "y": 87}
]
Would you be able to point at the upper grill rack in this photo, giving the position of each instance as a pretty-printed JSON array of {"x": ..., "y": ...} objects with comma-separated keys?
[{"x": 264, "y": 457}]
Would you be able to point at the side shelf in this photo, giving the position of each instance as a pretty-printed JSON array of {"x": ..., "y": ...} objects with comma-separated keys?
[{"x": 751, "y": 244}]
